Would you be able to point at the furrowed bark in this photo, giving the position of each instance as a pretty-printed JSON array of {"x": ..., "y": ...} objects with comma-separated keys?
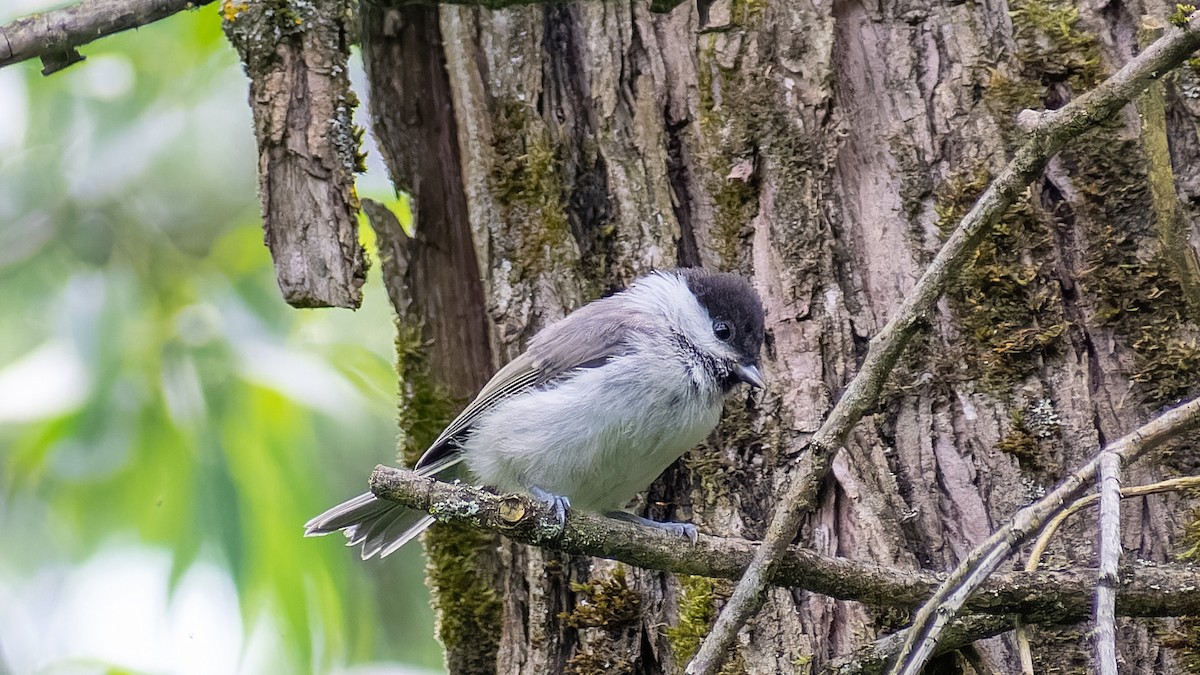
[
  {"x": 1049, "y": 132},
  {"x": 444, "y": 350},
  {"x": 987, "y": 556},
  {"x": 596, "y": 141}
]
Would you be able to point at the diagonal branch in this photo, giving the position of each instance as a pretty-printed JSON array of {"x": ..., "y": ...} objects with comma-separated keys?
[
  {"x": 53, "y": 36},
  {"x": 1048, "y": 133},
  {"x": 1168, "y": 590}
]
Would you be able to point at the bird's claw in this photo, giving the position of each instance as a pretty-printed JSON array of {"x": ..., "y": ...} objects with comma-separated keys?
[
  {"x": 682, "y": 529},
  {"x": 559, "y": 503},
  {"x": 679, "y": 529}
]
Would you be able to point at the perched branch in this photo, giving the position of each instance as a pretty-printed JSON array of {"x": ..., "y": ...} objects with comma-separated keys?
[
  {"x": 53, "y": 36},
  {"x": 1048, "y": 135},
  {"x": 983, "y": 560},
  {"x": 1110, "y": 557},
  {"x": 296, "y": 57},
  {"x": 1168, "y": 590}
]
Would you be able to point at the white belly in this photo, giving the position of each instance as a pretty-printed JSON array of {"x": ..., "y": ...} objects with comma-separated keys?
[{"x": 597, "y": 439}]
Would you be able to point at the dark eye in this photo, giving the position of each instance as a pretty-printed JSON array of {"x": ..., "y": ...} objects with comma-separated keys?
[{"x": 722, "y": 329}]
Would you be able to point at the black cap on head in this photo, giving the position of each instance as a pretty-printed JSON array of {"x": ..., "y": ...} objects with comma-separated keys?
[{"x": 730, "y": 298}]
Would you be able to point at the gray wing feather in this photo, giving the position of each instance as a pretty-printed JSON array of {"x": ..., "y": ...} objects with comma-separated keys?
[
  {"x": 379, "y": 525},
  {"x": 585, "y": 338}
]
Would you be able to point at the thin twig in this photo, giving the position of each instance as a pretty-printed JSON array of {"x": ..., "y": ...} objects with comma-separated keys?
[
  {"x": 1048, "y": 135},
  {"x": 983, "y": 560},
  {"x": 53, "y": 36},
  {"x": 1043, "y": 540},
  {"x": 1024, "y": 650},
  {"x": 1110, "y": 558}
]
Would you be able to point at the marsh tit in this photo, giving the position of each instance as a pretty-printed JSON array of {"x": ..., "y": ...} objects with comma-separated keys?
[{"x": 595, "y": 409}]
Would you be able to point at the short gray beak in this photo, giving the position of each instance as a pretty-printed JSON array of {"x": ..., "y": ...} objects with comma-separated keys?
[{"x": 749, "y": 374}]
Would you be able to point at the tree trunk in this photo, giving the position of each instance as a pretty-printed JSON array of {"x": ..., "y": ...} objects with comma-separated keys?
[{"x": 556, "y": 152}]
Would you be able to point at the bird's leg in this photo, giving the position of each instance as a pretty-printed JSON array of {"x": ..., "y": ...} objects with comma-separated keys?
[
  {"x": 559, "y": 503},
  {"x": 681, "y": 529}
]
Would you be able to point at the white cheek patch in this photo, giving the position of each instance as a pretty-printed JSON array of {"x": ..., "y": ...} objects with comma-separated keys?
[{"x": 668, "y": 295}]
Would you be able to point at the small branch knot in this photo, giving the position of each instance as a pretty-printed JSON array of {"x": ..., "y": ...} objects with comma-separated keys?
[{"x": 512, "y": 509}]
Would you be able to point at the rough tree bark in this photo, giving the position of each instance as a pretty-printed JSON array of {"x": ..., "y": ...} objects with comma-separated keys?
[
  {"x": 556, "y": 152},
  {"x": 295, "y": 56}
]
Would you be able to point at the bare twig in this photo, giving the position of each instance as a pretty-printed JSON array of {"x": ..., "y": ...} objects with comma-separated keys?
[
  {"x": 1024, "y": 650},
  {"x": 984, "y": 559},
  {"x": 1048, "y": 134},
  {"x": 1110, "y": 558},
  {"x": 1167, "y": 590},
  {"x": 1043, "y": 541},
  {"x": 53, "y": 36}
]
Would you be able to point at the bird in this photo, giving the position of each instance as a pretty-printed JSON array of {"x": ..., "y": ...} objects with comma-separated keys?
[{"x": 596, "y": 407}]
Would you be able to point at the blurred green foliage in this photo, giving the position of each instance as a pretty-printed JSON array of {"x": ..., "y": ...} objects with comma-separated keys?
[{"x": 158, "y": 390}]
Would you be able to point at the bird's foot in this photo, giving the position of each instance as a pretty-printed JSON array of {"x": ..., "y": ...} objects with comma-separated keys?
[
  {"x": 559, "y": 503},
  {"x": 679, "y": 529}
]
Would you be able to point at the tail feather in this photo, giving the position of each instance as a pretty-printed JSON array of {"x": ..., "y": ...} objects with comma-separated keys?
[
  {"x": 400, "y": 532},
  {"x": 379, "y": 525}
]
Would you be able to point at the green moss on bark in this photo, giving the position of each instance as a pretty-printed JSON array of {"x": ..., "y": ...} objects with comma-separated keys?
[
  {"x": 424, "y": 407},
  {"x": 611, "y": 605},
  {"x": 1129, "y": 281},
  {"x": 732, "y": 140},
  {"x": 589, "y": 661},
  {"x": 743, "y": 122},
  {"x": 1034, "y": 436},
  {"x": 1055, "y": 60},
  {"x": 604, "y": 603},
  {"x": 1185, "y": 639},
  {"x": 697, "y": 611},
  {"x": 467, "y": 606},
  {"x": 1007, "y": 303},
  {"x": 527, "y": 182}
]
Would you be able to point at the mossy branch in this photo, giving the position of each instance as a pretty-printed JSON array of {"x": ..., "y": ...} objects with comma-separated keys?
[
  {"x": 53, "y": 36},
  {"x": 1167, "y": 590},
  {"x": 1169, "y": 217},
  {"x": 1048, "y": 132}
]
